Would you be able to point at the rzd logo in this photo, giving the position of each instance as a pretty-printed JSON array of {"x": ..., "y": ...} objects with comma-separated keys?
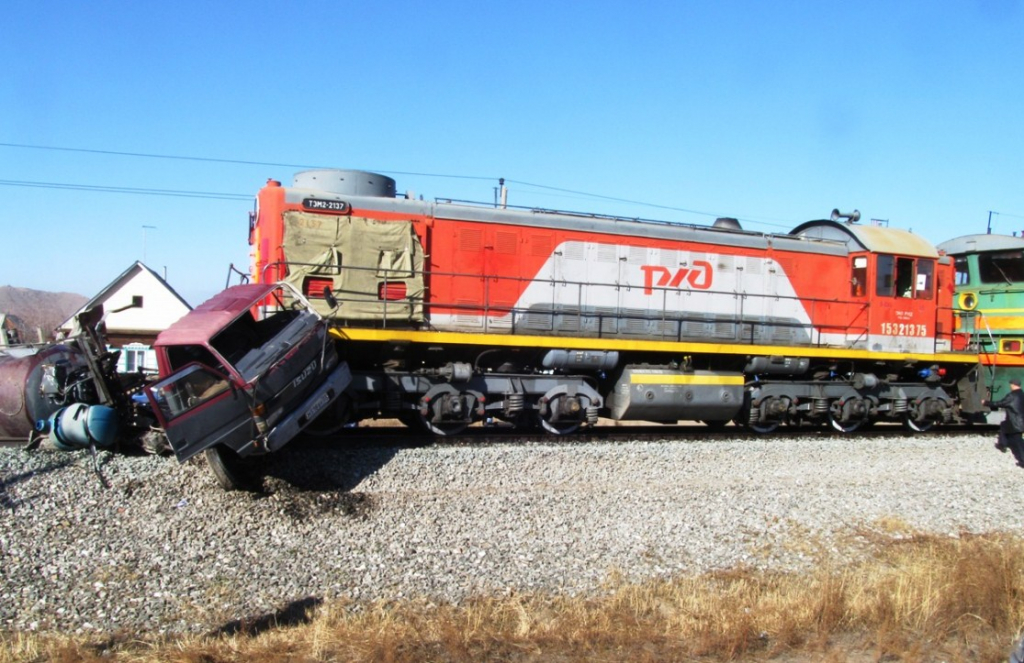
[{"x": 698, "y": 276}]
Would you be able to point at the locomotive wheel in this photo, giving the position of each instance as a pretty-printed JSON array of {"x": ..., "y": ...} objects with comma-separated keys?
[
  {"x": 765, "y": 428},
  {"x": 422, "y": 423},
  {"x": 558, "y": 427},
  {"x": 846, "y": 416},
  {"x": 444, "y": 410},
  {"x": 845, "y": 427},
  {"x": 561, "y": 411},
  {"x": 234, "y": 472},
  {"x": 440, "y": 428},
  {"x": 918, "y": 426}
]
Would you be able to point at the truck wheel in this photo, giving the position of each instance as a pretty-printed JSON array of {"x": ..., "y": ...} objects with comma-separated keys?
[{"x": 232, "y": 471}]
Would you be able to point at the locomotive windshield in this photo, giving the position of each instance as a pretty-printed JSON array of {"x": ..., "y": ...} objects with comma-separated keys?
[
  {"x": 1002, "y": 267},
  {"x": 911, "y": 278}
]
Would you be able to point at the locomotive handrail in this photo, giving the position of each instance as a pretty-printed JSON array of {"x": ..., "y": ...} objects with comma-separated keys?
[
  {"x": 744, "y": 329},
  {"x": 243, "y": 277},
  {"x": 741, "y": 328}
]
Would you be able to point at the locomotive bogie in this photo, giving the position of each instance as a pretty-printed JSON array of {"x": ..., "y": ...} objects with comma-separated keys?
[
  {"x": 442, "y": 404},
  {"x": 847, "y": 404}
]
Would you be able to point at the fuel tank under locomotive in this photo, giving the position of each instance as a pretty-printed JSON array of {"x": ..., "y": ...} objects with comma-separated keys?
[{"x": 35, "y": 383}]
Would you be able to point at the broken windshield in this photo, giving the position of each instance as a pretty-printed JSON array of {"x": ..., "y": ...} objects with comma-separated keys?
[{"x": 1003, "y": 267}]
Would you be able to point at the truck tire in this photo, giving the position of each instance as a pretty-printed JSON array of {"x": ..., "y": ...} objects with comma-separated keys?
[{"x": 234, "y": 472}]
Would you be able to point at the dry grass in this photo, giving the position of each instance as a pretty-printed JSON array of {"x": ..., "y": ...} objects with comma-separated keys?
[{"x": 914, "y": 598}]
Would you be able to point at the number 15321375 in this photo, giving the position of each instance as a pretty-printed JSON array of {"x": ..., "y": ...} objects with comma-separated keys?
[{"x": 903, "y": 329}]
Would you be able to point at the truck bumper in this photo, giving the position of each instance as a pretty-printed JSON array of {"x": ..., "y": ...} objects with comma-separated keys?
[{"x": 291, "y": 425}]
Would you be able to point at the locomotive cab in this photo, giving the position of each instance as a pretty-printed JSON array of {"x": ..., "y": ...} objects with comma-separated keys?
[
  {"x": 893, "y": 277},
  {"x": 989, "y": 290}
]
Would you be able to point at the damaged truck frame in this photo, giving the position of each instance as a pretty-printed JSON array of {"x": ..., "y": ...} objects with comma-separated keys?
[
  {"x": 243, "y": 374},
  {"x": 240, "y": 375}
]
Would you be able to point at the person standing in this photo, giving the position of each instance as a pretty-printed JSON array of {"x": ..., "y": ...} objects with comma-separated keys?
[{"x": 1012, "y": 427}]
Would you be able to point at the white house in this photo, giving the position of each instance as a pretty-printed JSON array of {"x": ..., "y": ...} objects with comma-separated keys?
[{"x": 137, "y": 306}]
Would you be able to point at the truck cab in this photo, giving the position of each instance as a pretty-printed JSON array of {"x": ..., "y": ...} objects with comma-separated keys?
[{"x": 242, "y": 375}]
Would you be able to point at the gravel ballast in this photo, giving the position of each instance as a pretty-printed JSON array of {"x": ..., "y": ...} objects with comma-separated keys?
[{"x": 165, "y": 549}]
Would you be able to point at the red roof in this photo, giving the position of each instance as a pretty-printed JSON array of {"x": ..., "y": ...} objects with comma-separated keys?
[{"x": 213, "y": 315}]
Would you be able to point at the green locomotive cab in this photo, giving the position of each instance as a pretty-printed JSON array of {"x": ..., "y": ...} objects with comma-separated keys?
[{"x": 989, "y": 305}]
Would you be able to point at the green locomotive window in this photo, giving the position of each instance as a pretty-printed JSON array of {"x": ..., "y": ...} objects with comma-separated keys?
[
  {"x": 1003, "y": 267},
  {"x": 963, "y": 272}
]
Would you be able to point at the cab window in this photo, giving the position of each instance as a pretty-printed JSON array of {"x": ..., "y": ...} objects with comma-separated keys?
[
  {"x": 859, "y": 277},
  {"x": 909, "y": 278},
  {"x": 925, "y": 279},
  {"x": 186, "y": 389},
  {"x": 963, "y": 272},
  {"x": 886, "y": 272},
  {"x": 905, "y": 277},
  {"x": 1002, "y": 267}
]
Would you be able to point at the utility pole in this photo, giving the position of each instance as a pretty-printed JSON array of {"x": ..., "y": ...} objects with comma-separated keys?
[{"x": 144, "y": 229}]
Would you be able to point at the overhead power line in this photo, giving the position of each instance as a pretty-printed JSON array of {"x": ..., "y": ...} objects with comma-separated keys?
[
  {"x": 245, "y": 162},
  {"x": 124, "y": 189},
  {"x": 241, "y": 162},
  {"x": 614, "y": 199}
]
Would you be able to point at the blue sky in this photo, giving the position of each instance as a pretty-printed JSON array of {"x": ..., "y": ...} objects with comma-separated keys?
[{"x": 771, "y": 112}]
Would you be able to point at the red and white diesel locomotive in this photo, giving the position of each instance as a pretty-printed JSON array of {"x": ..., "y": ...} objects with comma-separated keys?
[{"x": 453, "y": 313}]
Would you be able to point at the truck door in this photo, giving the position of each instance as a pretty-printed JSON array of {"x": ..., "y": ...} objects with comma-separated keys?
[{"x": 199, "y": 408}]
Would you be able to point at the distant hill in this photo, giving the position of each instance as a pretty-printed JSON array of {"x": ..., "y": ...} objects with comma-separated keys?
[{"x": 32, "y": 309}]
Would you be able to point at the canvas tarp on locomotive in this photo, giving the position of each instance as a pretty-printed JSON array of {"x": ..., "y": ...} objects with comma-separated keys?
[{"x": 376, "y": 268}]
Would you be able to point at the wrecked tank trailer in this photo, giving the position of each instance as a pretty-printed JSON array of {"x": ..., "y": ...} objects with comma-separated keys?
[
  {"x": 243, "y": 374},
  {"x": 71, "y": 394},
  {"x": 36, "y": 381}
]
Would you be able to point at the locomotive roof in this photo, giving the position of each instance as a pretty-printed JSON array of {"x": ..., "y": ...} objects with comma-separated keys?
[
  {"x": 535, "y": 218},
  {"x": 204, "y": 321},
  {"x": 820, "y": 237},
  {"x": 981, "y": 243},
  {"x": 876, "y": 239}
]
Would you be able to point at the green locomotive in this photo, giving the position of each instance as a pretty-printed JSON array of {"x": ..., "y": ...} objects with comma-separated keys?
[{"x": 989, "y": 304}]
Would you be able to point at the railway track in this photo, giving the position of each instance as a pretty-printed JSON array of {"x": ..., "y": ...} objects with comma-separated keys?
[{"x": 399, "y": 435}]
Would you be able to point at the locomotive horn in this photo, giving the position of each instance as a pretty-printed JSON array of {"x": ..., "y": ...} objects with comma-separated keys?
[{"x": 852, "y": 216}]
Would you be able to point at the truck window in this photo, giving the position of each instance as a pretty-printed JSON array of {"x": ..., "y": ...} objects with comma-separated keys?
[
  {"x": 187, "y": 389},
  {"x": 237, "y": 339},
  {"x": 182, "y": 355}
]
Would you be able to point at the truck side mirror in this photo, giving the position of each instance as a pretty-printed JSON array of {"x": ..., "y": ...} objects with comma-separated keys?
[{"x": 329, "y": 297}]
